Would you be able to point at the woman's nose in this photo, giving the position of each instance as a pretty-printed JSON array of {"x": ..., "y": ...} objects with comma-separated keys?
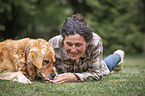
[{"x": 73, "y": 48}]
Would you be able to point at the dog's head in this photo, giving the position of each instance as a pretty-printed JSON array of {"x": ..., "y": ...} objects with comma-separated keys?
[{"x": 40, "y": 59}]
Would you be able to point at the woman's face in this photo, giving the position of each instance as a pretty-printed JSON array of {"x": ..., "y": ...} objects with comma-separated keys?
[{"x": 75, "y": 46}]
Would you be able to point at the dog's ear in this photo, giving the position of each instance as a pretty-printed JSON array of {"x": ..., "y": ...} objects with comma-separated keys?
[{"x": 35, "y": 59}]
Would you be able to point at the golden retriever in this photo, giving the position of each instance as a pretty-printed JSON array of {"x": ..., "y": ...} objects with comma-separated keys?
[{"x": 24, "y": 59}]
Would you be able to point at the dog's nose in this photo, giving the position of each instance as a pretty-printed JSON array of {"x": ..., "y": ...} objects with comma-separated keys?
[{"x": 53, "y": 75}]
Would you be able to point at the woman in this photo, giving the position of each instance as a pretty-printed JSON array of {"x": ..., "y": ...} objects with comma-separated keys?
[{"x": 79, "y": 53}]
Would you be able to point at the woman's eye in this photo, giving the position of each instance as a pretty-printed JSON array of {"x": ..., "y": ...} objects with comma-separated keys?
[
  {"x": 46, "y": 61},
  {"x": 69, "y": 44},
  {"x": 78, "y": 45}
]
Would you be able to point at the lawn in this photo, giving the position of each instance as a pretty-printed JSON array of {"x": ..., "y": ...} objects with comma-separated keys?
[{"x": 131, "y": 82}]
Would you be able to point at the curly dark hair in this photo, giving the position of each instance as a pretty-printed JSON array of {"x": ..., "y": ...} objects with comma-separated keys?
[{"x": 76, "y": 25}]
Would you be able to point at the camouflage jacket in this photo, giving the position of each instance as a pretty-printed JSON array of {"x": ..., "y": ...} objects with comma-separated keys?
[{"x": 90, "y": 65}]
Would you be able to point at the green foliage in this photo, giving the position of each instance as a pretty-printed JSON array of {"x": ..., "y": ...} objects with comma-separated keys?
[
  {"x": 129, "y": 83},
  {"x": 31, "y": 18},
  {"x": 120, "y": 23},
  {"x": 115, "y": 21}
]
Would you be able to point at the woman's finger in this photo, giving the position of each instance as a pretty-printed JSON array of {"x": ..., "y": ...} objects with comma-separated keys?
[{"x": 47, "y": 80}]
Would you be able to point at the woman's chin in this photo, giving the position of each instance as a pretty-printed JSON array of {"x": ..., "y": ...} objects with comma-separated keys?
[{"x": 74, "y": 57}]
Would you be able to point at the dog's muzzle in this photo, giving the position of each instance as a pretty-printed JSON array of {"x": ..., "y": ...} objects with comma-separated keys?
[{"x": 52, "y": 75}]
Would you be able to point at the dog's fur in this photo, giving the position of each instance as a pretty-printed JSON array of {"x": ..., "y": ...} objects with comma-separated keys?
[{"x": 31, "y": 58}]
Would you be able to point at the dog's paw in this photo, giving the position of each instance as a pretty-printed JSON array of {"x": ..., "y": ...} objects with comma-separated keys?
[{"x": 15, "y": 76}]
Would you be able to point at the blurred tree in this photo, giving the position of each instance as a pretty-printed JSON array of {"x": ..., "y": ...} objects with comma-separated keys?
[
  {"x": 141, "y": 20},
  {"x": 80, "y": 6},
  {"x": 120, "y": 23},
  {"x": 31, "y": 18},
  {"x": 48, "y": 17},
  {"x": 10, "y": 25},
  {"x": 115, "y": 22}
]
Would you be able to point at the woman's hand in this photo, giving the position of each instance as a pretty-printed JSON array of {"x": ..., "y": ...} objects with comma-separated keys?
[{"x": 61, "y": 78}]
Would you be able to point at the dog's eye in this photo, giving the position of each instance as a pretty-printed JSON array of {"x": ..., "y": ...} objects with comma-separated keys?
[{"x": 46, "y": 61}]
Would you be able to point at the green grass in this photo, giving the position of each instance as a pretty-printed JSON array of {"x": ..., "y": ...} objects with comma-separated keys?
[{"x": 129, "y": 83}]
